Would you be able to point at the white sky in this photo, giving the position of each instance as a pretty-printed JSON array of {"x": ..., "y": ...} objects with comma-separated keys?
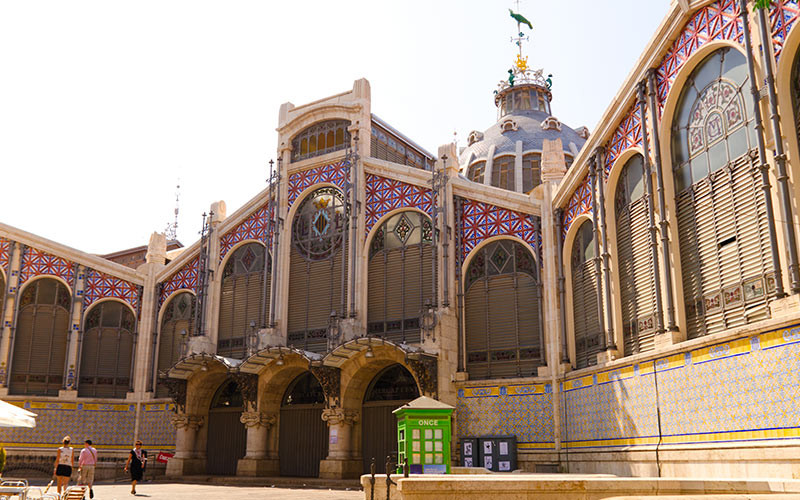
[{"x": 105, "y": 104}]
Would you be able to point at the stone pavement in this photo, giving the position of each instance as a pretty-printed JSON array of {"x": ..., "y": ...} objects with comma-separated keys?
[{"x": 172, "y": 491}]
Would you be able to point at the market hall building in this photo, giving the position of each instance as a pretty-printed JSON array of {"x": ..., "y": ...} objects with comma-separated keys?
[{"x": 624, "y": 302}]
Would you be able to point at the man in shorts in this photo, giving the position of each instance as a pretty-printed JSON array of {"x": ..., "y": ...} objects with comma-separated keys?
[{"x": 86, "y": 465}]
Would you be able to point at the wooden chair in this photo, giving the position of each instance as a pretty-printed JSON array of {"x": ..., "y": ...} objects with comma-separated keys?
[{"x": 75, "y": 493}]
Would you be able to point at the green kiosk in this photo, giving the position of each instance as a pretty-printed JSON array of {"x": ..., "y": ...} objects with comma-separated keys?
[{"x": 423, "y": 436}]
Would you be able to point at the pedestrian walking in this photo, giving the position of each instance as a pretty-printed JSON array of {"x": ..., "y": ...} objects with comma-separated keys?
[
  {"x": 62, "y": 468},
  {"x": 87, "y": 461},
  {"x": 137, "y": 461}
]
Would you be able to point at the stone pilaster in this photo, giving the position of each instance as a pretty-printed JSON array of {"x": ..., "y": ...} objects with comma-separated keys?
[
  {"x": 75, "y": 335},
  {"x": 256, "y": 461},
  {"x": 185, "y": 460},
  {"x": 340, "y": 463},
  {"x": 8, "y": 308}
]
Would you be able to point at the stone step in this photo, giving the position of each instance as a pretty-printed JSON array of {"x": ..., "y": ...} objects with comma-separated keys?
[{"x": 284, "y": 482}]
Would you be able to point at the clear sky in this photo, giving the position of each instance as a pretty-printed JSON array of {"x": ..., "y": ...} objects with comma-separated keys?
[{"x": 104, "y": 105}]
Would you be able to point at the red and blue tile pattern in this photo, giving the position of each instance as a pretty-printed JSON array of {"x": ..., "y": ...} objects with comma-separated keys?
[
  {"x": 335, "y": 173},
  {"x": 627, "y": 135},
  {"x": 482, "y": 220},
  {"x": 384, "y": 195},
  {"x": 5, "y": 248},
  {"x": 717, "y": 21},
  {"x": 185, "y": 278},
  {"x": 783, "y": 15},
  {"x": 101, "y": 286},
  {"x": 579, "y": 203},
  {"x": 255, "y": 227},
  {"x": 37, "y": 263}
]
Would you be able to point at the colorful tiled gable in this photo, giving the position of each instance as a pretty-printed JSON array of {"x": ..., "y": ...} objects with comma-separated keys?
[
  {"x": 783, "y": 15},
  {"x": 5, "y": 247},
  {"x": 717, "y": 21},
  {"x": 255, "y": 227},
  {"x": 335, "y": 173},
  {"x": 579, "y": 203},
  {"x": 627, "y": 135},
  {"x": 482, "y": 220},
  {"x": 384, "y": 195},
  {"x": 185, "y": 278},
  {"x": 100, "y": 286},
  {"x": 37, "y": 262}
]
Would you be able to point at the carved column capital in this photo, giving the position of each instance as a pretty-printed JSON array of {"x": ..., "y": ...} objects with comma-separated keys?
[
  {"x": 257, "y": 419},
  {"x": 337, "y": 416},
  {"x": 190, "y": 422}
]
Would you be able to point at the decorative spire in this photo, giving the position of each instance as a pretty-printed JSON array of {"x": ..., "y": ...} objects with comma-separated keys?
[
  {"x": 520, "y": 72},
  {"x": 171, "y": 231}
]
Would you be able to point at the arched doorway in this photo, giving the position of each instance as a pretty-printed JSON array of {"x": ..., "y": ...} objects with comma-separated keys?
[
  {"x": 227, "y": 437},
  {"x": 303, "y": 439},
  {"x": 393, "y": 387}
]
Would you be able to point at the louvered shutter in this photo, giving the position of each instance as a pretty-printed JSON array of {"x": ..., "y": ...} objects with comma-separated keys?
[
  {"x": 89, "y": 358},
  {"x": 528, "y": 305},
  {"x": 502, "y": 327},
  {"x": 475, "y": 316},
  {"x": 298, "y": 297},
  {"x": 588, "y": 334},
  {"x": 394, "y": 295},
  {"x": 123, "y": 373},
  {"x": 21, "y": 362},
  {"x": 226, "y": 314},
  {"x": 376, "y": 293}
]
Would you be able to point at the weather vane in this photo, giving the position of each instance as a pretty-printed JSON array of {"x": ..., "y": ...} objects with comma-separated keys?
[{"x": 520, "y": 70}]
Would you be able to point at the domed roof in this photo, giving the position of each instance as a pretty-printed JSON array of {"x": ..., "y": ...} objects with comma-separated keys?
[{"x": 530, "y": 127}]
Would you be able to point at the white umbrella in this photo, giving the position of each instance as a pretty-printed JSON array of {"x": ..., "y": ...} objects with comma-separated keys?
[{"x": 14, "y": 416}]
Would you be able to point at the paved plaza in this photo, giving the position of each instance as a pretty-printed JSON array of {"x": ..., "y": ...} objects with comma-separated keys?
[{"x": 172, "y": 491}]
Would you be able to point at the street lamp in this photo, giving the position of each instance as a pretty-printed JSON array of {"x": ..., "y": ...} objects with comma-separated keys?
[
  {"x": 184, "y": 344},
  {"x": 428, "y": 319},
  {"x": 334, "y": 330}
]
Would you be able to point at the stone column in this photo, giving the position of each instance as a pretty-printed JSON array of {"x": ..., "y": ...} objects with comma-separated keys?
[
  {"x": 8, "y": 308},
  {"x": 75, "y": 334},
  {"x": 256, "y": 462},
  {"x": 185, "y": 460},
  {"x": 340, "y": 463}
]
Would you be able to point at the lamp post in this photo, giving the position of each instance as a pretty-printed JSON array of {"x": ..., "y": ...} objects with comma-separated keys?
[
  {"x": 252, "y": 339},
  {"x": 334, "y": 331},
  {"x": 429, "y": 320}
]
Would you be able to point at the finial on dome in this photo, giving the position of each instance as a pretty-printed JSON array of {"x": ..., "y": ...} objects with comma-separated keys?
[{"x": 520, "y": 72}]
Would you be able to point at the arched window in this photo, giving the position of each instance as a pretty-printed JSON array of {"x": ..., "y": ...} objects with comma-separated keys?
[
  {"x": 588, "y": 332},
  {"x": 400, "y": 276},
  {"x": 503, "y": 173},
  {"x": 317, "y": 268},
  {"x": 241, "y": 303},
  {"x": 176, "y": 328},
  {"x": 531, "y": 171},
  {"x": 40, "y": 343},
  {"x": 722, "y": 225},
  {"x": 503, "y": 312},
  {"x": 107, "y": 351},
  {"x": 321, "y": 138},
  {"x": 476, "y": 170},
  {"x": 635, "y": 259}
]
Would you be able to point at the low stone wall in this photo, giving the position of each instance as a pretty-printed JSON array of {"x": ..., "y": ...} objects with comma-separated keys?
[
  {"x": 568, "y": 487},
  {"x": 39, "y": 465}
]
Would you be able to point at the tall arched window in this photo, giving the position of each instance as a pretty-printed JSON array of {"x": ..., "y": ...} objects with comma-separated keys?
[
  {"x": 317, "y": 268},
  {"x": 176, "y": 327},
  {"x": 400, "y": 276},
  {"x": 722, "y": 225},
  {"x": 107, "y": 351},
  {"x": 503, "y": 173},
  {"x": 241, "y": 303},
  {"x": 503, "y": 312},
  {"x": 588, "y": 332},
  {"x": 40, "y": 343},
  {"x": 635, "y": 259},
  {"x": 320, "y": 138}
]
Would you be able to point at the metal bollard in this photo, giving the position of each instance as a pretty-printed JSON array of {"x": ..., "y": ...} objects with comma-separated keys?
[
  {"x": 389, "y": 481},
  {"x": 372, "y": 479}
]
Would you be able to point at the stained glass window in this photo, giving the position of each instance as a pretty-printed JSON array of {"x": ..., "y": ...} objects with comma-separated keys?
[
  {"x": 319, "y": 225},
  {"x": 714, "y": 121}
]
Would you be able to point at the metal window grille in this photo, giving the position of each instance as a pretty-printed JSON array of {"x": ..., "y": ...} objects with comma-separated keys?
[
  {"x": 40, "y": 343},
  {"x": 399, "y": 277},
  {"x": 107, "y": 351},
  {"x": 177, "y": 319},
  {"x": 728, "y": 278},
  {"x": 503, "y": 173},
  {"x": 503, "y": 312},
  {"x": 476, "y": 171},
  {"x": 531, "y": 171},
  {"x": 241, "y": 300},
  {"x": 316, "y": 274},
  {"x": 634, "y": 258},
  {"x": 588, "y": 332},
  {"x": 384, "y": 146}
]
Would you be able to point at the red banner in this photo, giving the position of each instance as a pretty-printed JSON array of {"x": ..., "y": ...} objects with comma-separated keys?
[{"x": 163, "y": 457}]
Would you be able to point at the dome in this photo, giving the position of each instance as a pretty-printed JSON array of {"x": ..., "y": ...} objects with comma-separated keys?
[{"x": 523, "y": 125}]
